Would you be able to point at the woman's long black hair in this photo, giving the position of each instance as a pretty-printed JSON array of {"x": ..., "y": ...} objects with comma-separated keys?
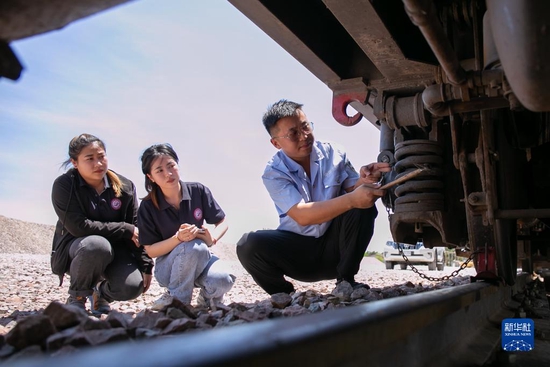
[{"x": 147, "y": 159}]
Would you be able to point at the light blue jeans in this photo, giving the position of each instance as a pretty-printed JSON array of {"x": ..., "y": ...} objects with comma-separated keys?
[{"x": 190, "y": 265}]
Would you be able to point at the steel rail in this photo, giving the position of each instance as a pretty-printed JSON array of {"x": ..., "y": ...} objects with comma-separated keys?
[{"x": 449, "y": 327}]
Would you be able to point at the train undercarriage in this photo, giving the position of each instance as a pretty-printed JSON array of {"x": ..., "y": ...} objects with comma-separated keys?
[{"x": 454, "y": 87}]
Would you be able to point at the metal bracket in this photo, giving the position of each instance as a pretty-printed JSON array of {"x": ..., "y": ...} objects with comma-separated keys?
[{"x": 340, "y": 103}]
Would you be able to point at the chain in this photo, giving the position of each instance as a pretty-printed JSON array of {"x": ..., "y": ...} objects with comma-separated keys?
[
  {"x": 455, "y": 273},
  {"x": 435, "y": 279}
]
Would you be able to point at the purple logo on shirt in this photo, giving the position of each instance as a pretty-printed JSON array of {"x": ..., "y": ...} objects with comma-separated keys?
[
  {"x": 116, "y": 203},
  {"x": 197, "y": 213}
]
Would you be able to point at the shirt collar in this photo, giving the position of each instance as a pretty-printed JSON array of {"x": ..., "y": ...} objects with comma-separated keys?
[
  {"x": 163, "y": 204},
  {"x": 107, "y": 184},
  {"x": 292, "y": 166}
]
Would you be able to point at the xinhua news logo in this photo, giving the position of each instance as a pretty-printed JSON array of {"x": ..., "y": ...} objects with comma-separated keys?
[{"x": 518, "y": 335}]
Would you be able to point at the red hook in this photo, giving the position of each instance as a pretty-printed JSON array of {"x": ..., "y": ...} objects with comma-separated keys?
[{"x": 339, "y": 104}]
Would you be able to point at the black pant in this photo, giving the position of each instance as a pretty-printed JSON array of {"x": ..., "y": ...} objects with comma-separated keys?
[
  {"x": 269, "y": 255},
  {"x": 93, "y": 258}
]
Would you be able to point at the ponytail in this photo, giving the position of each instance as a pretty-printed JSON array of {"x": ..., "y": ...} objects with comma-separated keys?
[{"x": 116, "y": 184}]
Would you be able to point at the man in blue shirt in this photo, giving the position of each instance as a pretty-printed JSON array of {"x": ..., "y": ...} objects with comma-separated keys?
[{"x": 326, "y": 209}]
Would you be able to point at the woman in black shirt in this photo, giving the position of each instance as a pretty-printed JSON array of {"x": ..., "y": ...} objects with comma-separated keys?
[
  {"x": 96, "y": 236},
  {"x": 171, "y": 222}
]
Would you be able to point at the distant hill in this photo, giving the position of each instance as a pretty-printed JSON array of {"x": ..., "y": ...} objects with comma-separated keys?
[{"x": 18, "y": 236}]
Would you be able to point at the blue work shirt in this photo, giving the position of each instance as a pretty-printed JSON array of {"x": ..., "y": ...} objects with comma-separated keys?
[{"x": 288, "y": 184}]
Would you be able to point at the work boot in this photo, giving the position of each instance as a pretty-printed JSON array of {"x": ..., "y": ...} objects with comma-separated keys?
[
  {"x": 77, "y": 301},
  {"x": 99, "y": 305}
]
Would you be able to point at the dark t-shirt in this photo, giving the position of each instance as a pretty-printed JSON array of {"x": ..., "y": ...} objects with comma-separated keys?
[{"x": 196, "y": 207}]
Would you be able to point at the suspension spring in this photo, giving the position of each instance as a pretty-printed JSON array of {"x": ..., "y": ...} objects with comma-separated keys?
[{"x": 424, "y": 192}]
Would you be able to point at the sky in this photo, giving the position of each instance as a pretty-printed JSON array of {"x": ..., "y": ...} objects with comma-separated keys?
[{"x": 196, "y": 74}]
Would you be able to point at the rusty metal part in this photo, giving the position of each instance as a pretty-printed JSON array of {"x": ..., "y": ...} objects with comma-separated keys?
[
  {"x": 419, "y": 207},
  {"x": 312, "y": 35},
  {"x": 421, "y": 186},
  {"x": 488, "y": 168},
  {"x": 522, "y": 213},
  {"x": 362, "y": 335},
  {"x": 386, "y": 144},
  {"x": 455, "y": 137},
  {"x": 477, "y": 199},
  {"x": 376, "y": 41},
  {"x": 522, "y": 38},
  {"x": 472, "y": 173},
  {"x": 483, "y": 90},
  {"x": 422, "y": 193},
  {"x": 423, "y": 14},
  {"x": 401, "y": 111},
  {"x": 474, "y": 14},
  {"x": 355, "y": 93}
]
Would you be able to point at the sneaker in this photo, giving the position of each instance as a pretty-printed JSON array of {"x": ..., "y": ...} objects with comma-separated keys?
[
  {"x": 165, "y": 300},
  {"x": 99, "y": 305},
  {"x": 205, "y": 302},
  {"x": 77, "y": 301}
]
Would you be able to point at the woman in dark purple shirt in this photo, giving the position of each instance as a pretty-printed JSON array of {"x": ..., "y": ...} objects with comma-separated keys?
[{"x": 170, "y": 221}]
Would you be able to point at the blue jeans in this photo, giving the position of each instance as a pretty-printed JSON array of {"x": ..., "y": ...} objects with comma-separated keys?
[
  {"x": 190, "y": 265},
  {"x": 93, "y": 259}
]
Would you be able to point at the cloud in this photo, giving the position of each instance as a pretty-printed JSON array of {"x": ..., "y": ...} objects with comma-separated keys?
[{"x": 185, "y": 72}]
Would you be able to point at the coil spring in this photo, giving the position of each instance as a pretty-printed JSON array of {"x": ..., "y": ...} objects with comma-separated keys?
[{"x": 425, "y": 191}]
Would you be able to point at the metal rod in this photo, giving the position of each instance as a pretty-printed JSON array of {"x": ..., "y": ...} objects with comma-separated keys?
[
  {"x": 522, "y": 213},
  {"x": 423, "y": 14}
]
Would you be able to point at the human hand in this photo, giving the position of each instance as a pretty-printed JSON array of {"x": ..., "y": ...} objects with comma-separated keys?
[
  {"x": 147, "y": 278},
  {"x": 135, "y": 236},
  {"x": 188, "y": 232},
  {"x": 365, "y": 196},
  {"x": 372, "y": 173},
  {"x": 205, "y": 235}
]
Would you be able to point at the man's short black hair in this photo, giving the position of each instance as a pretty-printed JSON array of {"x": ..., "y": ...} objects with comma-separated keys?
[{"x": 278, "y": 110}]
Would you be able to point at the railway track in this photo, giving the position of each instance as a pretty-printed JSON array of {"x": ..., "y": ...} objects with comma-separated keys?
[{"x": 458, "y": 326}]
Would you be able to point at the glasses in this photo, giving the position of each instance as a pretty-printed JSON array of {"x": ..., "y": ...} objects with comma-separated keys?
[{"x": 294, "y": 135}]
